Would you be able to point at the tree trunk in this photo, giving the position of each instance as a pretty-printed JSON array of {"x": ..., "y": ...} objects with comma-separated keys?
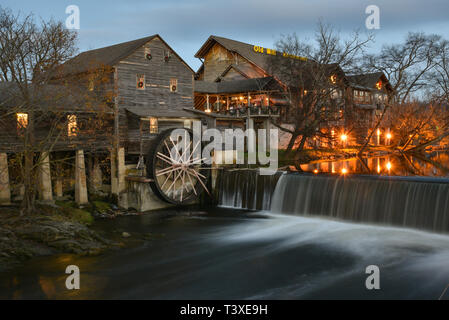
[
  {"x": 291, "y": 143},
  {"x": 29, "y": 184}
]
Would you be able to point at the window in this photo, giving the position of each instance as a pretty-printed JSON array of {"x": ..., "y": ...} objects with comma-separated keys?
[
  {"x": 173, "y": 85},
  {"x": 22, "y": 123},
  {"x": 91, "y": 84},
  {"x": 153, "y": 125},
  {"x": 148, "y": 55},
  {"x": 22, "y": 120},
  {"x": 140, "y": 82},
  {"x": 333, "y": 79},
  {"x": 72, "y": 126}
]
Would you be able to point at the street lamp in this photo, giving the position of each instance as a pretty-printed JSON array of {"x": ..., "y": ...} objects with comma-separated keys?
[{"x": 343, "y": 139}]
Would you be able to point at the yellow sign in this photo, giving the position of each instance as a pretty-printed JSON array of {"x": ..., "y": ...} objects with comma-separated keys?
[{"x": 273, "y": 52}]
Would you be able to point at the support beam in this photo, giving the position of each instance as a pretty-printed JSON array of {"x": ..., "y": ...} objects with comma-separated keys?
[
  {"x": 114, "y": 179},
  {"x": 96, "y": 176},
  {"x": 80, "y": 179},
  {"x": 121, "y": 171},
  {"x": 58, "y": 187},
  {"x": 45, "y": 186},
  {"x": 5, "y": 191}
]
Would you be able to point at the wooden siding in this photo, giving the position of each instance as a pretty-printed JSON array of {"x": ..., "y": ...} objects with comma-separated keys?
[
  {"x": 156, "y": 99},
  {"x": 218, "y": 59}
]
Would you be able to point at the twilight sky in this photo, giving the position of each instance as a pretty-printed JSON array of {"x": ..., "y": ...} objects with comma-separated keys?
[{"x": 185, "y": 25}]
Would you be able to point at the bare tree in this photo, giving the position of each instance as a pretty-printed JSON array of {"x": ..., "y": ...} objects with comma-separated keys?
[
  {"x": 38, "y": 110},
  {"x": 407, "y": 64},
  {"x": 314, "y": 82}
]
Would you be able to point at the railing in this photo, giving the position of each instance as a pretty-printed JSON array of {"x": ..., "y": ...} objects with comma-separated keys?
[{"x": 252, "y": 111}]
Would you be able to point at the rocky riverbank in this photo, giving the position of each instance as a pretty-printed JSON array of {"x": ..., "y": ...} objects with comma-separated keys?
[{"x": 59, "y": 228}]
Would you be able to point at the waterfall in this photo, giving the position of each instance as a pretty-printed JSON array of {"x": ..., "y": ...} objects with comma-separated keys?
[
  {"x": 414, "y": 202},
  {"x": 246, "y": 189},
  {"x": 421, "y": 203}
]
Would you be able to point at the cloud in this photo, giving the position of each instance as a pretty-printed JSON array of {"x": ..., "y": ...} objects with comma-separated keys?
[{"x": 186, "y": 24}]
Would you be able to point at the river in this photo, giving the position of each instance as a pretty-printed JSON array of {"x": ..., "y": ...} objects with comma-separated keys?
[{"x": 221, "y": 253}]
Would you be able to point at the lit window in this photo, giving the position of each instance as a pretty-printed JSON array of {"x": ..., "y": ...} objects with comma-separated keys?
[
  {"x": 334, "y": 79},
  {"x": 153, "y": 125},
  {"x": 22, "y": 121},
  {"x": 173, "y": 85},
  {"x": 379, "y": 85},
  {"x": 91, "y": 85},
  {"x": 71, "y": 125}
]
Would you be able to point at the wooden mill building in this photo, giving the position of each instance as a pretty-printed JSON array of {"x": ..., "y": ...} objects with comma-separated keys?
[
  {"x": 143, "y": 86},
  {"x": 238, "y": 79}
]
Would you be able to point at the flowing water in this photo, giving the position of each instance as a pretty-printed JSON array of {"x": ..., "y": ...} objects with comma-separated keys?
[{"x": 305, "y": 237}]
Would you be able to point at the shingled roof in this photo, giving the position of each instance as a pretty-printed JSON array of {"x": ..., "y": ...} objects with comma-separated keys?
[
  {"x": 246, "y": 50},
  {"x": 107, "y": 56},
  {"x": 237, "y": 86},
  {"x": 368, "y": 80}
]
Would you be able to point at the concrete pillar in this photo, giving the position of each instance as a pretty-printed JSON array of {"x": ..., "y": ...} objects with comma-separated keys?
[
  {"x": 96, "y": 177},
  {"x": 58, "y": 187},
  {"x": 114, "y": 179},
  {"x": 5, "y": 191},
  {"x": 45, "y": 187},
  {"x": 267, "y": 126},
  {"x": 80, "y": 178},
  {"x": 121, "y": 182},
  {"x": 251, "y": 138}
]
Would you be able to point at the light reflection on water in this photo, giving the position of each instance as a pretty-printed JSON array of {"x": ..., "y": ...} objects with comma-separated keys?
[{"x": 431, "y": 165}]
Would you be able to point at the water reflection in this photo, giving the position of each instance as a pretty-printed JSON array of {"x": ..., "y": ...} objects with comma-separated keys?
[{"x": 430, "y": 165}]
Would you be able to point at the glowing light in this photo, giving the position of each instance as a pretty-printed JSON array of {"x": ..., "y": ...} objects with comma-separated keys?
[
  {"x": 22, "y": 120},
  {"x": 208, "y": 110},
  {"x": 344, "y": 137},
  {"x": 389, "y": 136},
  {"x": 334, "y": 79},
  {"x": 378, "y": 169},
  {"x": 241, "y": 98},
  {"x": 379, "y": 85},
  {"x": 389, "y": 166},
  {"x": 344, "y": 171},
  {"x": 71, "y": 125},
  {"x": 378, "y": 132},
  {"x": 315, "y": 171}
]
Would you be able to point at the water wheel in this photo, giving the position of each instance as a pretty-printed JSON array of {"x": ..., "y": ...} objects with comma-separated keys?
[{"x": 177, "y": 176}]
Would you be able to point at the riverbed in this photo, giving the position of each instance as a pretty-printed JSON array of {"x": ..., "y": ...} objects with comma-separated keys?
[{"x": 220, "y": 253}]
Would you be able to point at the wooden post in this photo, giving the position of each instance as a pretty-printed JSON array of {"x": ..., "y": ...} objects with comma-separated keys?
[
  {"x": 207, "y": 102},
  {"x": 5, "y": 191}
]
